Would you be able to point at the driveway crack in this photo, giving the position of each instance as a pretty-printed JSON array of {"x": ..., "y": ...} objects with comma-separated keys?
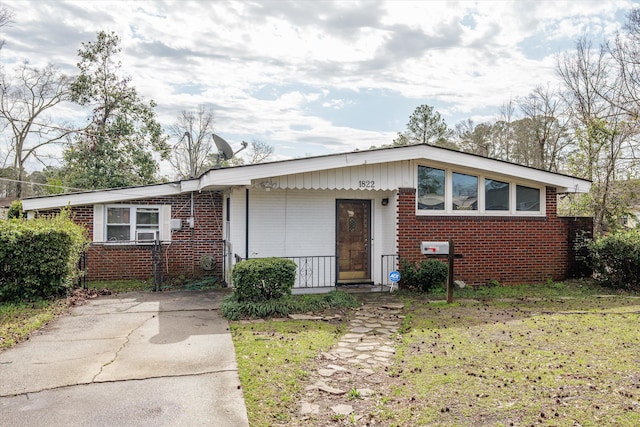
[{"x": 124, "y": 344}]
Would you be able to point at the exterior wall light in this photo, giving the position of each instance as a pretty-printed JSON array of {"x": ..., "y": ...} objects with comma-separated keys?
[{"x": 268, "y": 185}]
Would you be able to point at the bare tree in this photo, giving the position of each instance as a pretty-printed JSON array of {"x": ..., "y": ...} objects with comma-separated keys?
[
  {"x": 545, "y": 111},
  {"x": 6, "y": 18},
  {"x": 24, "y": 99},
  {"x": 503, "y": 131},
  {"x": 472, "y": 138},
  {"x": 602, "y": 125},
  {"x": 259, "y": 151},
  {"x": 625, "y": 51},
  {"x": 192, "y": 154}
]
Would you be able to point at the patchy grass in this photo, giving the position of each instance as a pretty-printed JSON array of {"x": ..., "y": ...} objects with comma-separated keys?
[
  {"x": 560, "y": 354},
  {"x": 568, "y": 289},
  {"x": 18, "y": 320},
  {"x": 549, "y": 355},
  {"x": 274, "y": 358}
]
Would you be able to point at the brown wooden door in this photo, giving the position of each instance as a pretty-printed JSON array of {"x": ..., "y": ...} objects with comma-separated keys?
[{"x": 353, "y": 240}]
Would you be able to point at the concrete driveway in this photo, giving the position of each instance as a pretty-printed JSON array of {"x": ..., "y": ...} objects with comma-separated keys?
[{"x": 138, "y": 359}]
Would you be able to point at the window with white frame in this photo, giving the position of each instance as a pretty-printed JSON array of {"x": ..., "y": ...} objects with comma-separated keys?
[
  {"x": 464, "y": 190},
  {"x": 496, "y": 195},
  {"x": 431, "y": 188},
  {"x": 447, "y": 191},
  {"x": 131, "y": 223},
  {"x": 527, "y": 199}
]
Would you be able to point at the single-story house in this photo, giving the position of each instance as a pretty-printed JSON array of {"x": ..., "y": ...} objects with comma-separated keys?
[{"x": 343, "y": 218}]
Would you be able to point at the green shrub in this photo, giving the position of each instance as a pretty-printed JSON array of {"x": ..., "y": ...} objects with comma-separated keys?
[
  {"x": 261, "y": 279},
  {"x": 408, "y": 278},
  {"x": 233, "y": 309},
  {"x": 615, "y": 260},
  {"x": 423, "y": 276},
  {"x": 15, "y": 210},
  {"x": 39, "y": 258}
]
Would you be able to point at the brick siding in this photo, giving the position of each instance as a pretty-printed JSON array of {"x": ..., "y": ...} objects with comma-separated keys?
[
  {"x": 179, "y": 258},
  {"x": 508, "y": 249}
]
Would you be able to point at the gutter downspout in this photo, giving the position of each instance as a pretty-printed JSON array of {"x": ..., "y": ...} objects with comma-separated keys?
[
  {"x": 246, "y": 225},
  {"x": 192, "y": 219}
]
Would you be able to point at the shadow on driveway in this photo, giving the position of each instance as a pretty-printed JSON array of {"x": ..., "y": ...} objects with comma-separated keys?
[{"x": 161, "y": 359}]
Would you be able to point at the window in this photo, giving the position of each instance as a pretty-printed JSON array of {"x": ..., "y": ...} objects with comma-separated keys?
[
  {"x": 132, "y": 223},
  {"x": 527, "y": 198},
  {"x": 446, "y": 191},
  {"x": 431, "y": 184},
  {"x": 118, "y": 224},
  {"x": 465, "y": 192},
  {"x": 140, "y": 224},
  {"x": 496, "y": 195},
  {"x": 147, "y": 223}
]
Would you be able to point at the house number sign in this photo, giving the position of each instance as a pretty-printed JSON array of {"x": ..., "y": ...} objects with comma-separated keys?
[{"x": 367, "y": 183}]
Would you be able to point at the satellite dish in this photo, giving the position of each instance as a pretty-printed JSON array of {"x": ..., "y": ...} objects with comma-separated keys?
[
  {"x": 225, "y": 152},
  {"x": 223, "y": 147}
]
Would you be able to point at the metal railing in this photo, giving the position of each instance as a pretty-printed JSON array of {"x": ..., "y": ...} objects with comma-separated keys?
[
  {"x": 314, "y": 271},
  {"x": 388, "y": 263}
]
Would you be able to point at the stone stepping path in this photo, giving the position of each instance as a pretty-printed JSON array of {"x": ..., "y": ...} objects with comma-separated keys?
[{"x": 345, "y": 385}]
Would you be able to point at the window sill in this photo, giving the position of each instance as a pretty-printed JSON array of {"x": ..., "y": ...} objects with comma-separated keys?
[
  {"x": 471, "y": 214},
  {"x": 127, "y": 243}
]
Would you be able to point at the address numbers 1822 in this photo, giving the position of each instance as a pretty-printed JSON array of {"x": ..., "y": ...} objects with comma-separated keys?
[{"x": 366, "y": 183}]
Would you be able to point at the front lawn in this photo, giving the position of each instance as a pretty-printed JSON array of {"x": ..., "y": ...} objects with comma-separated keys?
[
  {"x": 560, "y": 356},
  {"x": 555, "y": 354}
]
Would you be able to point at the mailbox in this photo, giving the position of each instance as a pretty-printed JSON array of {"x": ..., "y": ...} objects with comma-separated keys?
[{"x": 434, "y": 248}]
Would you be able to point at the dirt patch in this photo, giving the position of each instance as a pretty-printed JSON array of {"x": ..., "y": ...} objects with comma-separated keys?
[{"x": 81, "y": 296}]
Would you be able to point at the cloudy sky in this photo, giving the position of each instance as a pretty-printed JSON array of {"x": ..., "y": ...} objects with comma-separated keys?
[{"x": 318, "y": 77}]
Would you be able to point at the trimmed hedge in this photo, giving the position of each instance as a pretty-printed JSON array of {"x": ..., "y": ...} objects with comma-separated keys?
[
  {"x": 615, "y": 260},
  {"x": 261, "y": 279},
  {"x": 39, "y": 257}
]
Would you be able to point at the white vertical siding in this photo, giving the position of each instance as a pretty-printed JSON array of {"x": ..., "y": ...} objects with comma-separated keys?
[
  {"x": 291, "y": 222},
  {"x": 384, "y": 176},
  {"x": 384, "y": 232},
  {"x": 237, "y": 221}
]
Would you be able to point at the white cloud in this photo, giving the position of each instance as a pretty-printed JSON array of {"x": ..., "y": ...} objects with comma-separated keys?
[{"x": 463, "y": 57}]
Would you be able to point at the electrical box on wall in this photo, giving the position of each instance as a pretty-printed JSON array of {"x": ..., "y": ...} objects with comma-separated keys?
[{"x": 176, "y": 224}]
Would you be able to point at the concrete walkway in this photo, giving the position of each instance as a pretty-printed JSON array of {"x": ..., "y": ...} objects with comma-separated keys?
[{"x": 138, "y": 359}]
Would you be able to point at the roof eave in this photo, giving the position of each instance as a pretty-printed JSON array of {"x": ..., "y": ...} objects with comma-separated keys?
[{"x": 101, "y": 196}]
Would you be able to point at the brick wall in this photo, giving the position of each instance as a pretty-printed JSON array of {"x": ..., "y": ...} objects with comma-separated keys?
[
  {"x": 180, "y": 258},
  {"x": 508, "y": 249}
]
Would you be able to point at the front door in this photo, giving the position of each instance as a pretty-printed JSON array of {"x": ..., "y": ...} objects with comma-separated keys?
[{"x": 353, "y": 240}]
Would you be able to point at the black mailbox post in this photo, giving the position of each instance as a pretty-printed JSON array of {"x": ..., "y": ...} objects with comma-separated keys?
[{"x": 442, "y": 250}]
